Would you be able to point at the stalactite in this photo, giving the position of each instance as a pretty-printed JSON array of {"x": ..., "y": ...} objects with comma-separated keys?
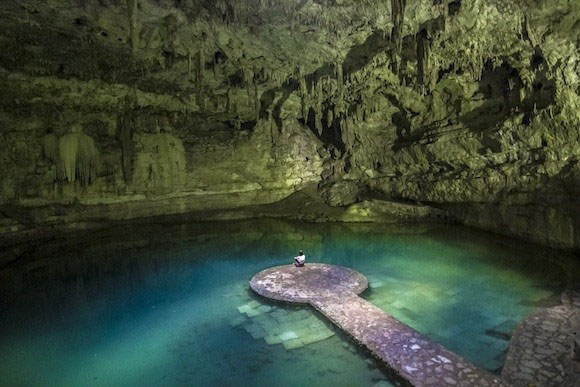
[
  {"x": 88, "y": 159},
  {"x": 189, "y": 60},
  {"x": 529, "y": 33},
  {"x": 423, "y": 55},
  {"x": 133, "y": 32},
  {"x": 398, "y": 16},
  {"x": 228, "y": 100},
  {"x": 74, "y": 155},
  {"x": 125, "y": 133},
  {"x": 236, "y": 10},
  {"x": 248, "y": 79},
  {"x": 222, "y": 8},
  {"x": 318, "y": 110},
  {"x": 480, "y": 63},
  {"x": 214, "y": 66},
  {"x": 50, "y": 147},
  {"x": 199, "y": 76},
  {"x": 274, "y": 133},
  {"x": 68, "y": 149},
  {"x": 329, "y": 118},
  {"x": 339, "y": 77},
  {"x": 303, "y": 93},
  {"x": 256, "y": 100}
]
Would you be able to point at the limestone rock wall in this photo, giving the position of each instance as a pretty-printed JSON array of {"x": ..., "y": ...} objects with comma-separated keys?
[
  {"x": 467, "y": 105},
  {"x": 105, "y": 120}
]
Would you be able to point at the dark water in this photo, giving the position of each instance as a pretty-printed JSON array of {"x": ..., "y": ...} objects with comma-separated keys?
[{"x": 154, "y": 304}]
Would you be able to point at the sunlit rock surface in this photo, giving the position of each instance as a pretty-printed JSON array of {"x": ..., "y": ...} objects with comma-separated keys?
[{"x": 117, "y": 109}]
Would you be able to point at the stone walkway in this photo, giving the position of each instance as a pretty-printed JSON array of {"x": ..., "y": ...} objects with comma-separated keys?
[
  {"x": 542, "y": 346},
  {"x": 333, "y": 290},
  {"x": 479, "y": 331}
]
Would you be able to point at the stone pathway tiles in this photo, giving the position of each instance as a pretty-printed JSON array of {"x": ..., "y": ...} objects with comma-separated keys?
[
  {"x": 389, "y": 285},
  {"x": 293, "y": 344},
  {"x": 503, "y": 330},
  {"x": 539, "y": 295},
  {"x": 477, "y": 352},
  {"x": 450, "y": 322},
  {"x": 541, "y": 348},
  {"x": 440, "y": 311},
  {"x": 333, "y": 291},
  {"x": 292, "y": 329},
  {"x": 414, "y": 357},
  {"x": 238, "y": 321},
  {"x": 375, "y": 281},
  {"x": 244, "y": 308}
]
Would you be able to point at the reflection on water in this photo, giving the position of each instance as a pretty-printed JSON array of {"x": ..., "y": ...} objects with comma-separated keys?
[{"x": 154, "y": 304}]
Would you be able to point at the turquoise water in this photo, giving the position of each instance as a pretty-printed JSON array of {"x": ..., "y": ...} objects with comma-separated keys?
[{"x": 158, "y": 304}]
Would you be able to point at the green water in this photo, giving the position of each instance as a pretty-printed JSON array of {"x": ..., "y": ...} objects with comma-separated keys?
[{"x": 153, "y": 304}]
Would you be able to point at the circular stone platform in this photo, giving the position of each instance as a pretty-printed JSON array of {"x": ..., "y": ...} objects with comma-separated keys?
[{"x": 304, "y": 284}]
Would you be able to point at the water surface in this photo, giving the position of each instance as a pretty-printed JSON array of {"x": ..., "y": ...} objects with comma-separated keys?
[{"x": 154, "y": 304}]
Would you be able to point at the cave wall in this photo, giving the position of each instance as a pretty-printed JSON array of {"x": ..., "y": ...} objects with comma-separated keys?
[
  {"x": 101, "y": 122},
  {"x": 115, "y": 109}
]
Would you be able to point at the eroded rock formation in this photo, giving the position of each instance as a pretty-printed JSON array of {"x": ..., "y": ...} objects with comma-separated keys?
[{"x": 114, "y": 109}]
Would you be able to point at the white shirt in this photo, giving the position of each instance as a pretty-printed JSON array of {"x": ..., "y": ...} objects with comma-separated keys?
[{"x": 300, "y": 258}]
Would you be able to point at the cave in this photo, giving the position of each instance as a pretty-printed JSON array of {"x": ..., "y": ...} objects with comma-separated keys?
[{"x": 289, "y": 192}]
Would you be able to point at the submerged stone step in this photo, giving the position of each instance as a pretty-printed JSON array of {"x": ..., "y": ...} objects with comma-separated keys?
[
  {"x": 333, "y": 291},
  {"x": 293, "y": 329}
]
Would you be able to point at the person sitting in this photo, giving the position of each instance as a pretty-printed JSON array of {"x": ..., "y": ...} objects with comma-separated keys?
[{"x": 300, "y": 259}]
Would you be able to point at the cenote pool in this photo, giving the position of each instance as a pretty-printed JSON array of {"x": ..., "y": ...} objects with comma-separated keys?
[{"x": 169, "y": 304}]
